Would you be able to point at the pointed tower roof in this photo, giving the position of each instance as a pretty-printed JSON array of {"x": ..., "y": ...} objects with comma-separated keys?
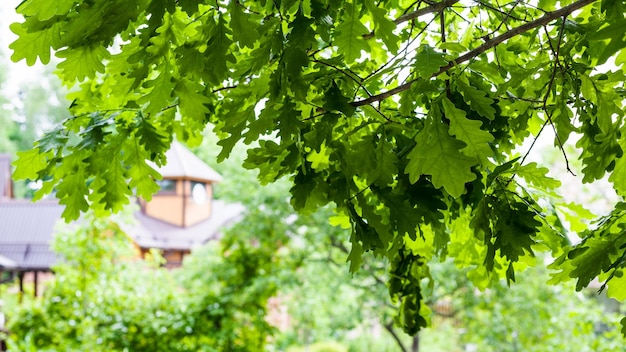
[{"x": 182, "y": 163}]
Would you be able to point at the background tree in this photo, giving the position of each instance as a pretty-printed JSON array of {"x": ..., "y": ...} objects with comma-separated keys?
[
  {"x": 103, "y": 298},
  {"x": 408, "y": 116}
]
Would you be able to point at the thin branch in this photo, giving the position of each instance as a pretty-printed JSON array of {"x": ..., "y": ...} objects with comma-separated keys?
[
  {"x": 390, "y": 330},
  {"x": 377, "y": 109},
  {"x": 555, "y": 52},
  {"x": 436, "y": 7},
  {"x": 508, "y": 15},
  {"x": 406, "y": 48},
  {"x": 418, "y": 3},
  {"x": 223, "y": 88},
  {"x": 442, "y": 28},
  {"x": 547, "y": 18},
  {"x": 353, "y": 76},
  {"x": 433, "y": 8},
  {"x": 545, "y": 102}
]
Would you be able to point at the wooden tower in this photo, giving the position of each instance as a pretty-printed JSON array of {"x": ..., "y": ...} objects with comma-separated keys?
[{"x": 186, "y": 194}]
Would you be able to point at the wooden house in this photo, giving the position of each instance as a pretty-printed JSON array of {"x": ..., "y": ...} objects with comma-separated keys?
[{"x": 182, "y": 215}]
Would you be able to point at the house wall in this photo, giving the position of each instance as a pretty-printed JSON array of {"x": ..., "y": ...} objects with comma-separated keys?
[
  {"x": 178, "y": 207},
  {"x": 168, "y": 208}
]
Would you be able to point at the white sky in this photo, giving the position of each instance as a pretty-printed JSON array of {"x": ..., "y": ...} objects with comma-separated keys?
[{"x": 16, "y": 72}]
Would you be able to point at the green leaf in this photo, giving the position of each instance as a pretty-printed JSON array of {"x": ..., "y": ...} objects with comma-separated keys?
[
  {"x": 383, "y": 26},
  {"x": 364, "y": 232},
  {"x": 29, "y": 164},
  {"x": 44, "y": 10},
  {"x": 288, "y": 121},
  {"x": 244, "y": 30},
  {"x": 590, "y": 259},
  {"x": 82, "y": 62},
  {"x": 599, "y": 149},
  {"x": 478, "y": 100},
  {"x": 477, "y": 141},
  {"x": 307, "y": 191},
  {"x": 438, "y": 155},
  {"x": 617, "y": 286},
  {"x": 114, "y": 189},
  {"x": 576, "y": 215},
  {"x": 154, "y": 142},
  {"x": 402, "y": 214},
  {"x": 191, "y": 100},
  {"x": 608, "y": 40},
  {"x": 160, "y": 95},
  {"x": 295, "y": 60},
  {"x": 588, "y": 89},
  {"x": 53, "y": 140},
  {"x": 73, "y": 188},
  {"x": 142, "y": 177},
  {"x": 385, "y": 163},
  {"x": 189, "y": 6},
  {"x": 537, "y": 176},
  {"x": 500, "y": 169},
  {"x": 454, "y": 47},
  {"x": 428, "y": 61},
  {"x": 617, "y": 176},
  {"x": 302, "y": 34},
  {"x": 217, "y": 50},
  {"x": 355, "y": 257},
  {"x": 334, "y": 100},
  {"x": 515, "y": 229},
  {"x": 31, "y": 45},
  {"x": 350, "y": 31}
]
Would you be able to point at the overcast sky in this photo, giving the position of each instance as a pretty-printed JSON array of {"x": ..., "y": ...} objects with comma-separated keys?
[{"x": 17, "y": 72}]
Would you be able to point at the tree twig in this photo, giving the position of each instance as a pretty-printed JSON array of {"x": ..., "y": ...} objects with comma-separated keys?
[
  {"x": 436, "y": 7},
  {"x": 392, "y": 332},
  {"x": 353, "y": 76},
  {"x": 433, "y": 8},
  {"x": 545, "y": 102}
]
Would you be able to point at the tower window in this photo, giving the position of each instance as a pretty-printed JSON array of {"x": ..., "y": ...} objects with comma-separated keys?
[
  {"x": 167, "y": 186},
  {"x": 199, "y": 192}
]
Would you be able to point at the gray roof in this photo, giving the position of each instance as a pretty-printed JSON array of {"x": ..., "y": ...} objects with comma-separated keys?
[
  {"x": 26, "y": 230},
  {"x": 181, "y": 163},
  {"x": 153, "y": 233}
]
